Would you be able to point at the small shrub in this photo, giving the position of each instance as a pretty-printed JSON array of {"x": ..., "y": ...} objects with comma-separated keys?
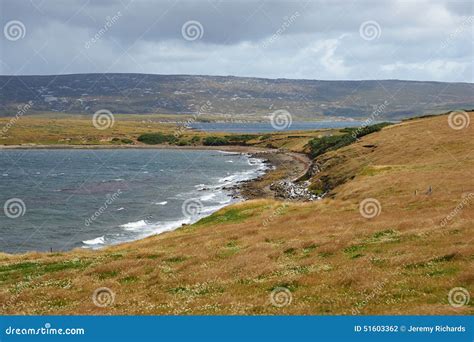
[
  {"x": 157, "y": 138},
  {"x": 215, "y": 141},
  {"x": 195, "y": 140},
  {"x": 321, "y": 145}
]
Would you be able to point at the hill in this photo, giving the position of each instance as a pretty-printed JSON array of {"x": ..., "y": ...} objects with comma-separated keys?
[
  {"x": 250, "y": 97},
  {"x": 393, "y": 236}
]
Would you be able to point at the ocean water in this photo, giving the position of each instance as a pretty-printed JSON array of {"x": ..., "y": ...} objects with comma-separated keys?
[
  {"x": 63, "y": 199},
  {"x": 265, "y": 127}
]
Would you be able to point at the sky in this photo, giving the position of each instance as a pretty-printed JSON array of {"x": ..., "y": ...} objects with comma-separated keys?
[{"x": 425, "y": 40}]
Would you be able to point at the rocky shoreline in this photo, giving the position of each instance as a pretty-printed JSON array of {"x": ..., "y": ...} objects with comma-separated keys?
[
  {"x": 282, "y": 179},
  {"x": 289, "y": 190}
]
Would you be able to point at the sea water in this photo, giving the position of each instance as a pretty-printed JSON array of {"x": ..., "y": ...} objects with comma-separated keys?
[{"x": 62, "y": 199}]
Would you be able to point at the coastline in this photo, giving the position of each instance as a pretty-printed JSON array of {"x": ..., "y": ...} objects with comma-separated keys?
[
  {"x": 229, "y": 148},
  {"x": 279, "y": 166},
  {"x": 285, "y": 166}
]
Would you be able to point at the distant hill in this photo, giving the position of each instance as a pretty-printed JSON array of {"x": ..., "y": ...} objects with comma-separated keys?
[{"x": 184, "y": 94}]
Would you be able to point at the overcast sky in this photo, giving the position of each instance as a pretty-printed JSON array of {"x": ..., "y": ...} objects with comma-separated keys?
[{"x": 415, "y": 40}]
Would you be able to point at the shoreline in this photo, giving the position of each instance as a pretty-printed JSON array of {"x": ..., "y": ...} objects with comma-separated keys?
[
  {"x": 285, "y": 165},
  {"x": 279, "y": 166},
  {"x": 230, "y": 148}
]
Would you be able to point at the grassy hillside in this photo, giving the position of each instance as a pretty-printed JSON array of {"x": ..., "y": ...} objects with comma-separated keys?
[{"x": 329, "y": 255}]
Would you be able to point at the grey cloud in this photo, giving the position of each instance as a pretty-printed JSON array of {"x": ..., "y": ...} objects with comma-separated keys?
[{"x": 427, "y": 40}]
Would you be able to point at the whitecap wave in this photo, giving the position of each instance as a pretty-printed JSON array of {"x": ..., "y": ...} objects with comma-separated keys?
[
  {"x": 134, "y": 225},
  {"x": 207, "y": 197},
  {"x": 215, "y": 196},
  {"x": 97, "y": 241},
  {"x": 229, "y": 153}
]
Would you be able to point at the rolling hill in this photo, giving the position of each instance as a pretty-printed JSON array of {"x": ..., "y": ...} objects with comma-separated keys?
[
  {"x": 251, "y": 97},
  {"x": 402, "y": 254}
]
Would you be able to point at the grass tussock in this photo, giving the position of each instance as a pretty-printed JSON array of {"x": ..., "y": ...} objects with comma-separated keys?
[{"x": 331, "y": 259}]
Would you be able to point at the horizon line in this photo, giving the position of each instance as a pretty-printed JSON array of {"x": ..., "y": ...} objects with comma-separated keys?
[{"x": 223, "y": 76}]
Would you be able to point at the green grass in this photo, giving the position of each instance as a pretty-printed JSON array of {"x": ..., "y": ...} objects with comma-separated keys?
[
  {"x": 231, "y": 248},
  {"x": 128, "y": 280},
  {"x": 292, "y": 286},
  {"x": 231, "y": 215},
  {"x": 354, "y": 251},
  {"x": 432, "y": 262},
  {"x": 176, "y": 259},
  {"x": 309, "y": 249},
  {"x": 31, "y": 269},
  {"x": 107, "y": 274},
  {"x": 388, "y": 235}
]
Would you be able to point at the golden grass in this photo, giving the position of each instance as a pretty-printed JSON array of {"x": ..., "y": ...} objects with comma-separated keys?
[
  {"x": 331, "y": 258},
  {"x": 74, "y": 130}
]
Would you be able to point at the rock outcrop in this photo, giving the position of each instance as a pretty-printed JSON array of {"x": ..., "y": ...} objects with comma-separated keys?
[{"x": 293, "y": 191}]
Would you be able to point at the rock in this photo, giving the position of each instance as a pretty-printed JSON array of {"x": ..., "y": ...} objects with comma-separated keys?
[{"x": 295, "y": 191}]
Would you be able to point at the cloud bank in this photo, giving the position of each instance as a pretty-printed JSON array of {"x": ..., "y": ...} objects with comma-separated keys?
[{"x": 332, "y": 40}]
